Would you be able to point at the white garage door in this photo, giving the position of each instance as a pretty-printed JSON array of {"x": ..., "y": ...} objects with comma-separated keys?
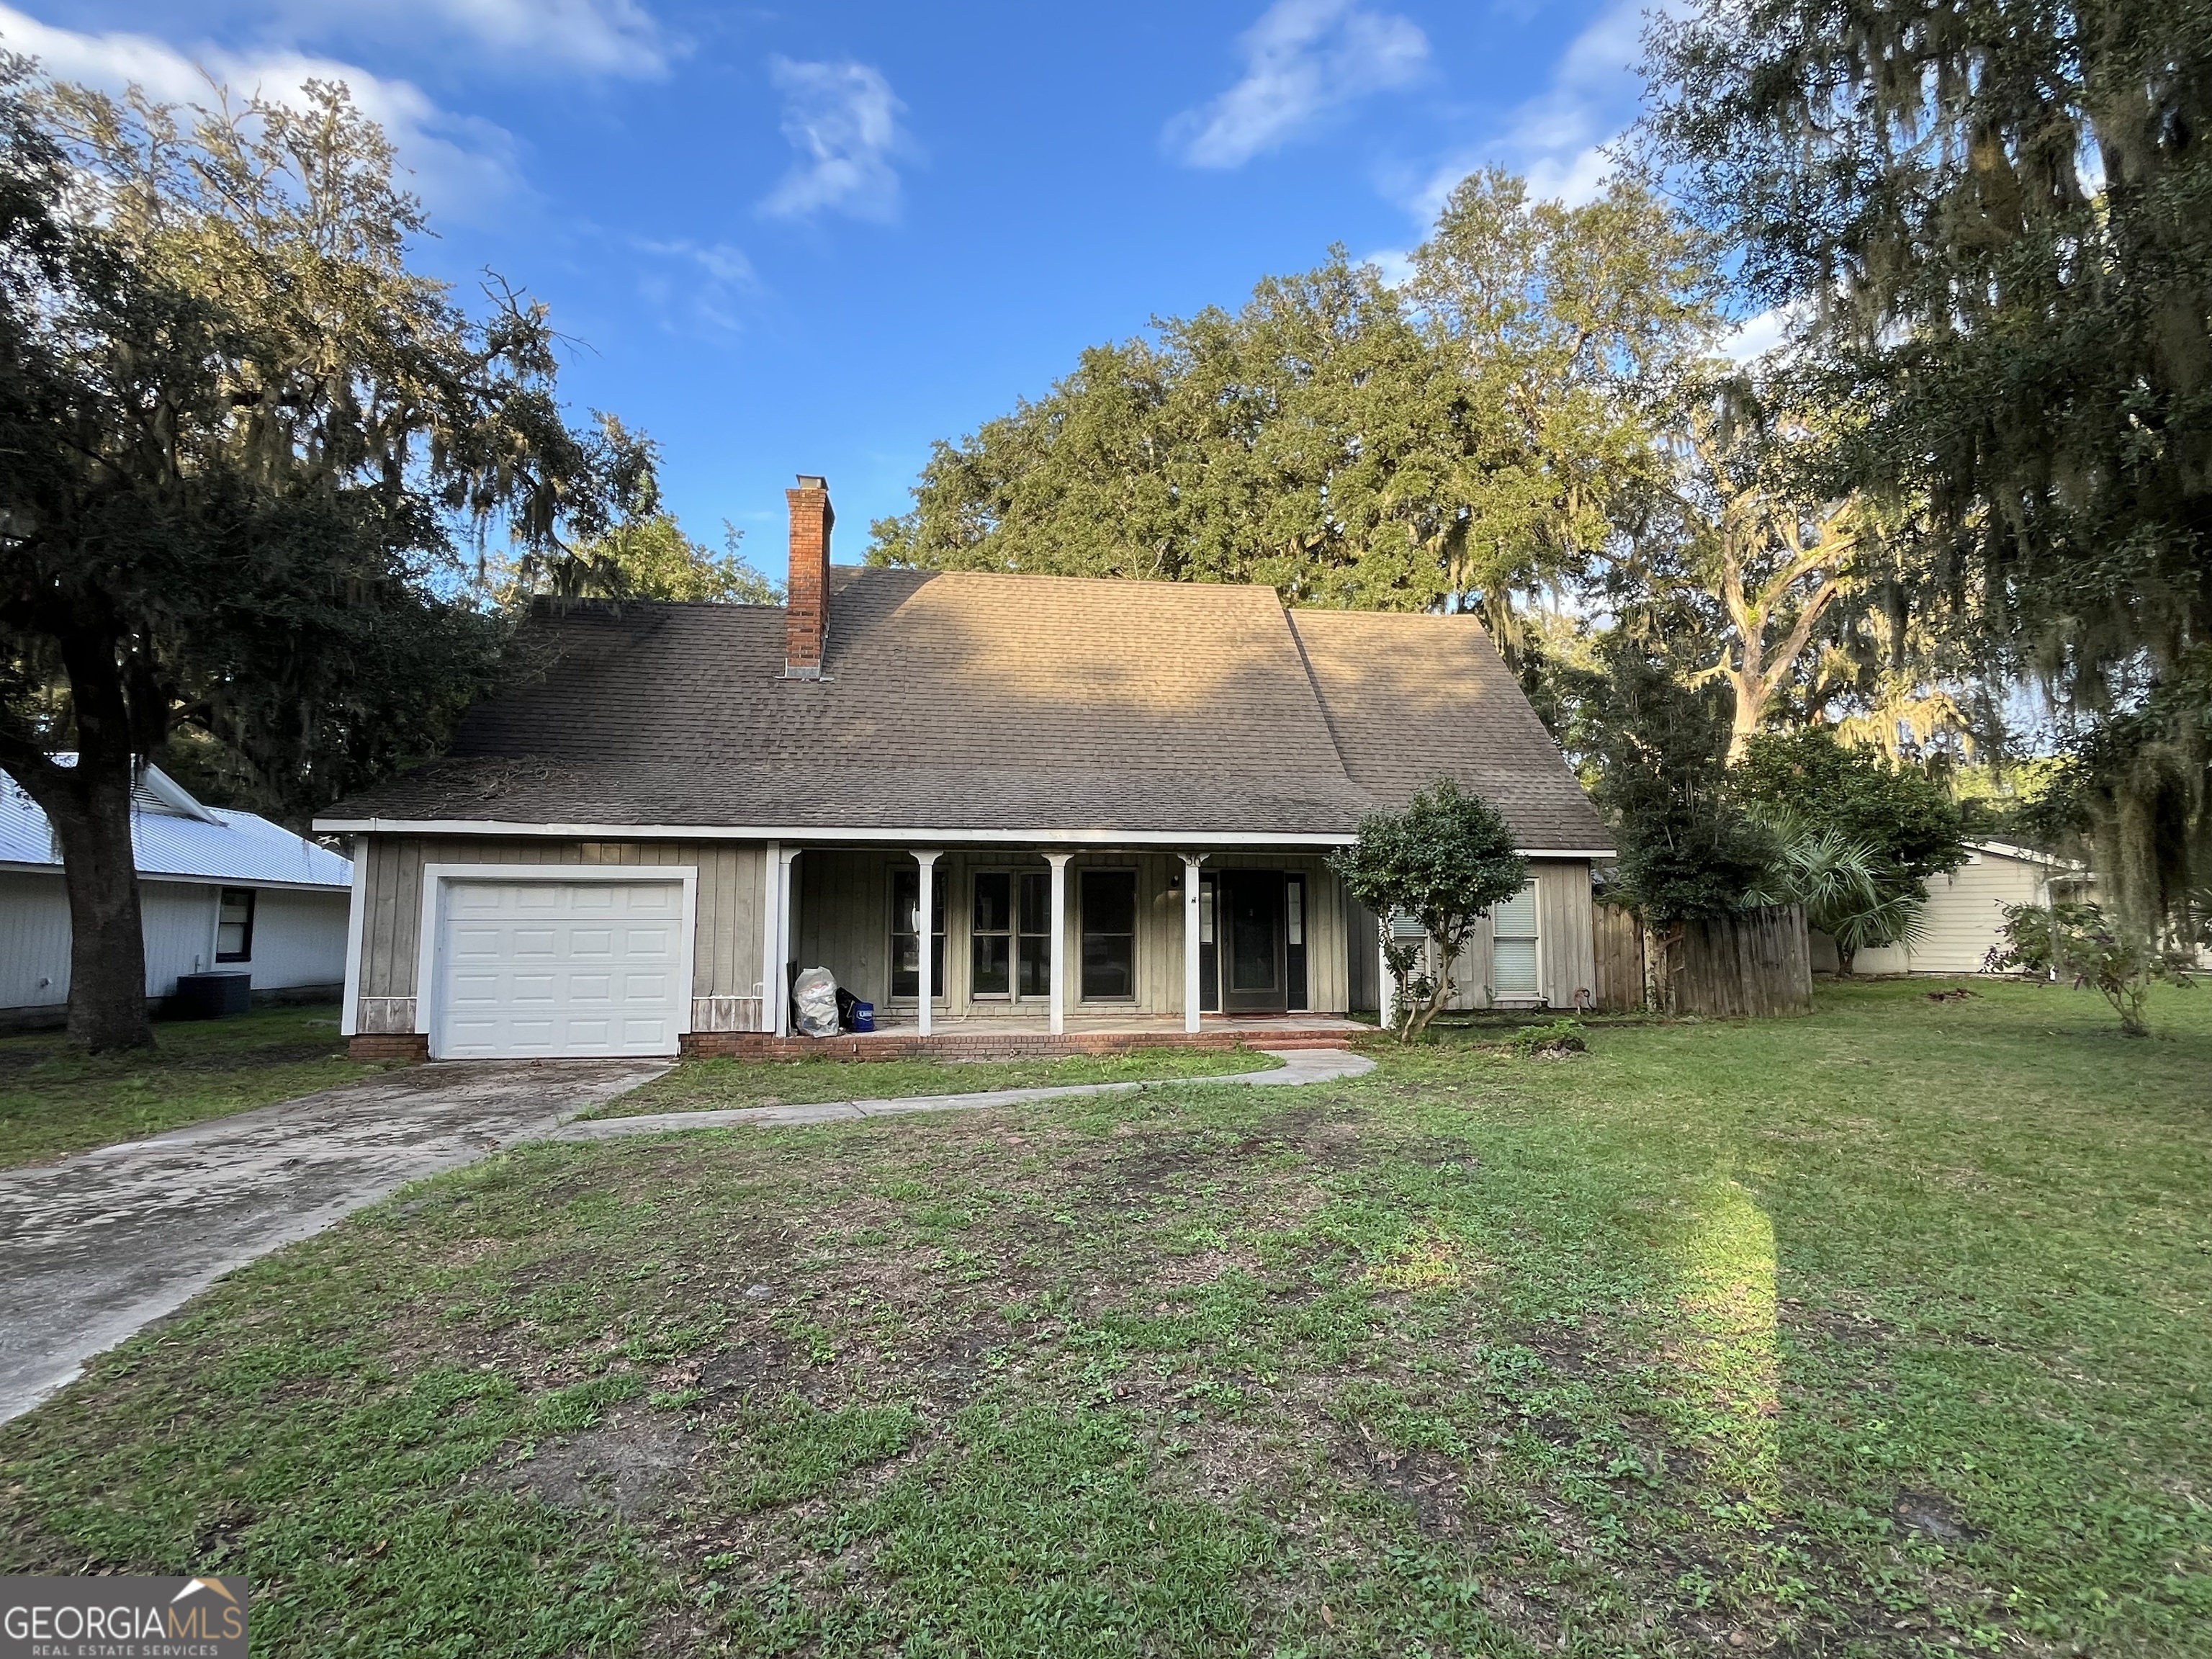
[{"x": 545, "y": 969}]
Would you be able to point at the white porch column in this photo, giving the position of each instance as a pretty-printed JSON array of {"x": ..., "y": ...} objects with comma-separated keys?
[
  {"x": 1057, "y": 1021},
  {"x": 1190, "y": 997},
  {"x": 926, "y": 919},
  {"x": 769, "y": 912},
  {"x": 778, "y": 986}
]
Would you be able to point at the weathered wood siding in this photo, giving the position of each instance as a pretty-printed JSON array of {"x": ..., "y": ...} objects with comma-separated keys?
[
  {"x": 1565, "y": 950},
  {"x": 1565, "y": 960},
  {"x": 1755, "y": 964},
  {"x": 726, "y": 951}
]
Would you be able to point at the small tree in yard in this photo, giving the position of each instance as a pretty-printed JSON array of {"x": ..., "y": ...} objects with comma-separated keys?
[
  {"x": 2075, "y": 942},
  {"x": 1444, "y": 860}
]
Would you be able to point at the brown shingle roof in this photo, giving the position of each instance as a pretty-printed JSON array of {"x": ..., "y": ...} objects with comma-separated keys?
[
  {"x": 949, "y": 700},
  {"x": 1411, "y": 698}
]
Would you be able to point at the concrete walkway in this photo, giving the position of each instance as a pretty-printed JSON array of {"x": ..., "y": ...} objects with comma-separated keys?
[
  {"x": 1300, "y": 1065},
  {"x": 103, "y": 1244}
]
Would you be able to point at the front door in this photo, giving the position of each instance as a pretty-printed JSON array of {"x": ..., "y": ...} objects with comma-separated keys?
[{"x": 1254, "y": 976}]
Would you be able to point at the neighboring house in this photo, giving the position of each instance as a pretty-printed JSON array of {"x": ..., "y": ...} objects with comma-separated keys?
[
  {"x": 1019, "y": 804},
  {"x": 1965, "y": 908},
  {"x": 218, "y": 892}
]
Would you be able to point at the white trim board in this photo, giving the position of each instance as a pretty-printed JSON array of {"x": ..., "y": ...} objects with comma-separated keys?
[
  {"x": 356, "y": 914},
  {"x": 880, "y": 837},
  {"x": 436, "y": 877}
]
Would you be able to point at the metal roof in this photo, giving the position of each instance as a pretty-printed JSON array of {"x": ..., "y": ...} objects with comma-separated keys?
[{"x": 174, "y": 836}]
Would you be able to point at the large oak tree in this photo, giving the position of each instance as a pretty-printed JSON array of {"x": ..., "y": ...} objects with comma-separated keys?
[
  {"x": 242, "y": 438},
  {"x": 1992, "y": 222}
]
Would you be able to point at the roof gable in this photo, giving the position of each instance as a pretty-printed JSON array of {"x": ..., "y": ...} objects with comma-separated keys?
[{"x": 948, "y": 701}]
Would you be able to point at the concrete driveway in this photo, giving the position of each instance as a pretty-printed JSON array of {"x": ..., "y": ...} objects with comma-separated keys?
[{"x": 96, "y": 1247}]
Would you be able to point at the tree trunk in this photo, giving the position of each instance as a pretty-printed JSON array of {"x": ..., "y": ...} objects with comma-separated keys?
[
  {"x": 1659, "y": 968},
  {"x": 1437, "y": 997},
  {"x": 1750, "y": 711},
  {"x": 107, "y": 947},
  {"x": 89, "y": 806}
]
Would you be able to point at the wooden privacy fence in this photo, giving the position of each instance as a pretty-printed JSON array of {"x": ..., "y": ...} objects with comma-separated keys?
[
  {"x": 1619, "y": 942},
  {"x": 1758, "y": 963}
]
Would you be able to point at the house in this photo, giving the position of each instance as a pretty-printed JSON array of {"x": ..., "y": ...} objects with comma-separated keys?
[
  {"x": 218, "y": 892},
  {"x": 1024, "y": 812},
  {"x": 1965, "y": 908}
]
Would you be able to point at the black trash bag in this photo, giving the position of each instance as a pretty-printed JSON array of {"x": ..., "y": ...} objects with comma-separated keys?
[{"x": 846, "y": 1002}]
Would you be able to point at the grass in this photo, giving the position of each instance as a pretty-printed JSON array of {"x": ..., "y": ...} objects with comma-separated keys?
[
  {"x": 713, "y": 1086},
  {"x": 1880, "y": 1332},
  {"x": 54, "y": 1101}
]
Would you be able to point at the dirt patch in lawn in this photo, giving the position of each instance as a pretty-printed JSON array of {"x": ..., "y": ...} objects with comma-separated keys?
[{"x": 636, "y": 1463}]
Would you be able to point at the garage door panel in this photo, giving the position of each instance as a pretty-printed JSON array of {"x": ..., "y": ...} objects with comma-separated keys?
[{"x": 542, "y": 969}]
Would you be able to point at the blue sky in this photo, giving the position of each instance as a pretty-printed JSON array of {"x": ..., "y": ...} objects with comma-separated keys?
[{"x": 814, "y": 240}]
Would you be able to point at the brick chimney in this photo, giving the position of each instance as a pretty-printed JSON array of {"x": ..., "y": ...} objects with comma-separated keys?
[{"x": 806, "y": 599}]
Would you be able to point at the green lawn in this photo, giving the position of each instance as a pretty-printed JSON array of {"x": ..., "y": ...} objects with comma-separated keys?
[
  {"x": 714, "y": 1085},
  {"x": 53, "y": 1102},
  {"x": 1888, "y": 1331}
]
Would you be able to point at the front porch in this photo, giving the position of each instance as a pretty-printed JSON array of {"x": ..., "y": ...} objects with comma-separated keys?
[
  {"x": 1012, "y": 1038},
  {"x": 1035, "y": 948}
]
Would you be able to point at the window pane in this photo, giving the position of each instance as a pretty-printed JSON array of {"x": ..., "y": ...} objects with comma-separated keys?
[
  {"x": 1294, "y": 903},
  {"x": 1513, "y": 968},
  {"x": 1036, "y": 902},
  {"x": 906, "y": 944},
  {"x": 1036, "y": 966},
  {"x": 1109, "y": 922},
  {"x": 993, "y": 902},
  {"x": 1108, "y": 968},
  {"x": 234, "y": 927},
  {"x": 1109, "y": 900},
  {"x": 993, "y": 967},
  {"x": 1517, "y": 917}
]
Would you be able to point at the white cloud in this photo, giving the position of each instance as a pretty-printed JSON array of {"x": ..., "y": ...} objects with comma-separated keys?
[
  {"x": 1556, "y": 139},
  {"x": 1302, "y": 58},
  {"x": 1755, "y": 337},
  {"x": 1396, "y": 264},
  {"x": 698, "y": 288},
  {"x": 461, "y": 165},
  {"x": 598, "y": 37},
  {"x": 842, "y": 119}
]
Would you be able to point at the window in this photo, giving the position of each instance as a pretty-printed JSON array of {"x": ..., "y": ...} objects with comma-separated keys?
[
  {"x": 1109, "y": 935},
  {"x": 906, "y": 934},
  {"x": 1209, "y": 950},
  {"x": 1034, "y": 965},
  {"x": 1513, "y": 948},
  {"x": 1294, "y": 936},
  {"x": 991, "y": 933},
  {"x": 233, "y": 926}
]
